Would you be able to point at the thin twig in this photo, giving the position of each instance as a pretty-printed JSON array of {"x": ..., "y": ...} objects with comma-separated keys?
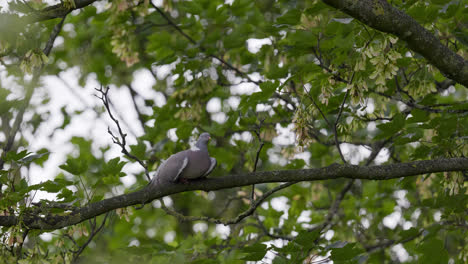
[
  {"x": 91, "y": 236},
  {"x": 133, "y": 94},
  {"x": 333, "y": 210},
  {"x": 53, "y": 36},
  {"x": 320, "y": 110},
  {"x": 73, "y": 241},
  {"x": 257, "y": 133},
  {"x": 335, "y": 206},
  {"x": 428, "y": 108},
  {"x": 122, "y": 119},
  {"x": 122, "y": 142},
  {"x": 267, "y": 233},
  {"x": 29, "y": 92},
  {"x": 226, "y": 205},
  {"x": 84, "y": 188},
  {"x": 218, "y": 58},
  {"x": 335, "y": 125},
  {"x": 389, "y": 243},
  {"x": 236, "y": 220},
  {"x": 174, "y": 25},
  {"x": 86, "y": 104},
  {"x": 20, "y": 246},
  {"x": 400, "y": 89}
]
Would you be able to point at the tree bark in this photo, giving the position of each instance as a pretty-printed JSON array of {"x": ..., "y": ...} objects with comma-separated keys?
[
  {"x": 380, "y": 15},
  {"x": 147, "y": 194},
  {"x": 56, "y": 11}
]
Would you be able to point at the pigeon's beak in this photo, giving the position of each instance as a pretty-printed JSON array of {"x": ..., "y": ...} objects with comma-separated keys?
[{"x": 209, "y": 138}]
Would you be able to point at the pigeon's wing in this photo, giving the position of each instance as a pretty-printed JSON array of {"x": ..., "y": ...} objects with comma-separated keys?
[
  {"x": 212, "y": 166},
  {"x": 172, "y": 168},
  {"x": 181, "y": 168}
]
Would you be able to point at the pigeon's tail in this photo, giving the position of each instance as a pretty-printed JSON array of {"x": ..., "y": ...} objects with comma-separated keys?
[{"x": 155, "y": 180}]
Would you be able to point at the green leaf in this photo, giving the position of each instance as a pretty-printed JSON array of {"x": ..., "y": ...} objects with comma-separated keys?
[
  {"x": 75, "y": 166},
  {"x": 392, "y": 127},
  {"x": 30, "y": 158},
  {"x": 348, "y": 252},
  {"x": 316, "y": 8},
  {"x": 440, "y": 2},
  {"x": 204, "y": 261},
  {"x": 139, "y": 150},
  {"x": 296, "y": 164},
  {"x": 225, "y": 158},
  {"x": 412, "y": 232},
  {"x": 113, "y": 167},
  {"x": 281, "y": 260},
  {"x": 292, "y": 17},
  {"x": 65, "y": 195},
  {"x": 268, "y": 89},
  {"x": 51, "y": 186},
  {"x": 66, "y": 117},
  {"x": 184, "y": 130},
  {"x": 418, "y": 116},
  {"x": 16, "y": 156},
  {"x": 255, "y": 252},
  {"x": 307, "y": 238},
  {"x": 191, "y": 7},
  {"x": 432, "y": 251}
]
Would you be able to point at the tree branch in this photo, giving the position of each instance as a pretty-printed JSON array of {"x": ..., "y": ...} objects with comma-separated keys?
[
  {"x": 191, "y": 40},
  {"x": 257, "y": 132},
  {"x": 133, "y": 95},
  {"x": 240, "y": 217},
  {"x": 149, "y": 193},
  {"x": 333, "y": 210},
  {"x": 430, "y": 108},
  {"x": 29, "y": 93},
  {"x": 94, "y": 232},
  {"x": 56, "y": 11},
  {"x": 122, "y": 142},
  {"x": 381, "y": 15},
  {"x": 335, "y": 132}
]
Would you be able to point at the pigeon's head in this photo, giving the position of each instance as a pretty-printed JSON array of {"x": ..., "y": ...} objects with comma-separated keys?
[{"x": 204, "y": 138}]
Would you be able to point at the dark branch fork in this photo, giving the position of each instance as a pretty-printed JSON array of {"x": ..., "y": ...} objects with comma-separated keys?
[
  {"x": 94, "y": 231},
  {"x": 333, "y": 209}
]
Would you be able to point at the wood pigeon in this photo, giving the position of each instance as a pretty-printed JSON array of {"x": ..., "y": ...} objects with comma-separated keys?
[{"x": 187, "y": 165}]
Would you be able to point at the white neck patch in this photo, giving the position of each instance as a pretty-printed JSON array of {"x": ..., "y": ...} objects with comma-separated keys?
[{"x": 194, "y": 148}]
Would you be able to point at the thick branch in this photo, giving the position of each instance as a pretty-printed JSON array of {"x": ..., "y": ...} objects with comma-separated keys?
[
  {"x": 56, "y": 11},
  {"x": 147, "y": 194},
  {"x": 381, "y": 15}
]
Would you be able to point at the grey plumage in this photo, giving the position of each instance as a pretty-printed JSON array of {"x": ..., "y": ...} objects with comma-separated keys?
[{"x": 188, "y": 164}]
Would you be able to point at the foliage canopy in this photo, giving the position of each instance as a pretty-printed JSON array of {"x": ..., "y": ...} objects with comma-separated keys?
[{"x": 282, "y": 87}]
